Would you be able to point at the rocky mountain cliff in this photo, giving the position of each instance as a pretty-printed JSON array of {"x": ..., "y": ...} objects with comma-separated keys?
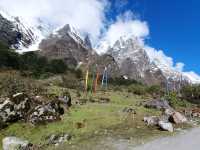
[
  {"x": 14, "y": 33},
  {"x": 66, "y": 44},
  {"x": 135, "y": 63}
]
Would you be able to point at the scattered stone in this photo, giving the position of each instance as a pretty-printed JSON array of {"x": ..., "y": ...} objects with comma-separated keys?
[
  {"x": 57, "y": 139},
  {"x": 103, "y": 100},
  {"x": 157, "y": 104},
  {"x": 167, "y": 126},
  {"x": 14, "y": 143},
  {"x": 81, "y": 101},
  {"x": 129, "y": 110},
  {"x": 177, "y": 118},
  {"x": 151, "y": 121}
]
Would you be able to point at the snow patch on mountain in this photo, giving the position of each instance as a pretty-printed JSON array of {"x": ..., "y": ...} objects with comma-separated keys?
[{"x": 135, "y": 49}]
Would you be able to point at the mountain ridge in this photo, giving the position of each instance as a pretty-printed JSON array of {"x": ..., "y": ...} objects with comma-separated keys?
[{"x": 129, "y": 53}]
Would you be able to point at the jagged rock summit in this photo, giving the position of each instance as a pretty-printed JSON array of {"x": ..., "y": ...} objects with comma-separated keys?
[{"x": 135, "y": 63}]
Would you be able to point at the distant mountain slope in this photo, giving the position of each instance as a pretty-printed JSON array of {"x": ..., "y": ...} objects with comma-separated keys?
[
  {"x": 66, "y": 44},
  {"x": 135, "y": 63}
]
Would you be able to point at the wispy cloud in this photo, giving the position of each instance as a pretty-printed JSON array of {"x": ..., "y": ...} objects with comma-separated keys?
[{"x": 126, "y": 25}]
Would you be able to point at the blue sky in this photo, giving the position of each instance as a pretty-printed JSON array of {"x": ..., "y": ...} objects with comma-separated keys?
[{"x": 174, "y": 26}]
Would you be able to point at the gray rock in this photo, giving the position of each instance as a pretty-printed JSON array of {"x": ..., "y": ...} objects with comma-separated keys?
[
  {"x": 57, "y": 139},
  {"x": 129, "y": 110},
  {"x": 167, "y": 126},
  {"x": 157, "y": 104},
  {"x": 153, "y": 120},
  {"x": 14, "y": 143}
]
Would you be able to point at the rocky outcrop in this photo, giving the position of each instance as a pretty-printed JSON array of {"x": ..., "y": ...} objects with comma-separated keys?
[
  {"x": 157, "y": 104},
  {"x": 14, "y": 143},
  {"x": 31, "y": 109}
]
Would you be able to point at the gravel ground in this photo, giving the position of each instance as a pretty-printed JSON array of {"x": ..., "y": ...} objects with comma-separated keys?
[{"x": 188, "y": 140}]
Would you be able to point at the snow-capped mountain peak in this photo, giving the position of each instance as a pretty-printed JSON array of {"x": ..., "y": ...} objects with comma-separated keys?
[{"x": 131, "y": 52}]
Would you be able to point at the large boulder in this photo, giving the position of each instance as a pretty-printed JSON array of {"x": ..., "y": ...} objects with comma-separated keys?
[
  {"x": 178, "y": 118},
  {"x": 157, "y": 104},
  {"x": 167, "y": 126},
  {"x": 152, "y": 121},
  {"x": 14, "y": 143},
  {"x": 46, "y": 113}
]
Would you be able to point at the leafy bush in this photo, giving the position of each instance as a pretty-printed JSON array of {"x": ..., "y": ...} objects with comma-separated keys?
[
  {"x": 137, "y": 89},
  {"x": 57, "y": 66},
  {"x": 174, "y": 101},
  {"x": 9, "y": 59},
  {"x": 191, "y": 93},
  {"x": 155, "y": 90}
]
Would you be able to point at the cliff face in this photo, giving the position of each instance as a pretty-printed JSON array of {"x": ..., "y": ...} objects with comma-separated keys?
[
  {"x": 67, "y": 45},
  {"x": 15, "y": 34}
]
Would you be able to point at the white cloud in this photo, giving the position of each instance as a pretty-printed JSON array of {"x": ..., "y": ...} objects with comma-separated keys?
[
  {"x": 159, "y": 57},
  {"x": 179, "y": 66},
  {"x": 127, "y": 26},
  {"x": 86, "y": 15},
  {"x": 195, "y": 78}
]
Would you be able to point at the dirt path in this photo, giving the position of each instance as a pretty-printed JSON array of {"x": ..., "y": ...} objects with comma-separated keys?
[
  {"x": 185, "y": 140},
  {"x": 189, "y": 140}
]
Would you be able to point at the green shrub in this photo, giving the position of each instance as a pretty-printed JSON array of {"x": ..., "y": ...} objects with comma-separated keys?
[
  {"x": 137, "y": 89},
  {"x": 174, "y": 101},
  {"x": 191, "y": 93},
  {"x": 57, "y": 66},
  {"x": 9, "y": 59},
  {"x": 155, "y": 90}
]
